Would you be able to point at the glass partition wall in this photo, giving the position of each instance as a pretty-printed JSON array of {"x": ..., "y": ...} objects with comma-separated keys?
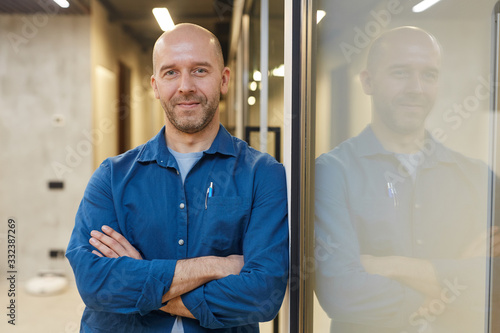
[{"x": 394, "y": 164}]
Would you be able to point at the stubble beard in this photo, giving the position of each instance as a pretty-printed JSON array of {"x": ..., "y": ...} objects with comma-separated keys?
[{"x": 209, "y": 107}]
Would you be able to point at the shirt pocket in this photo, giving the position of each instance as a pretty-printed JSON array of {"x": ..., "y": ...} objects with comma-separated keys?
[
  {"x": 224, "y": 223},
  {"x": 376, "y": 222}
]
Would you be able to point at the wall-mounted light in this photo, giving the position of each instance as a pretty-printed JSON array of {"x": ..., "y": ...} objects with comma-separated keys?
[
  {"x": 279, "y": 71},
  {"x": 424, "y": 5},
  {"x": 257, "y": 76},
  {"x": 253, "y": 86},
  {"x": 319, "y": 15},
  {"x": 62, "y": 3},
  {"x": 163, "y": 18}
]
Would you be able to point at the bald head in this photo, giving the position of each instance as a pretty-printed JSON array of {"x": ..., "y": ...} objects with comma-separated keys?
[
  {"x": 402, "y": 78},
  {"x": 187, "y": 32},
  {"x": 402, "y": 37}
]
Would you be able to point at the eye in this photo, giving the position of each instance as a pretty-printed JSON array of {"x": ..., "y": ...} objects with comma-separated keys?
[
  {"x": 430, "y": 76},
  {"x": 168, "y": 73},
  {"x": 200, "y": 70},
  {"x": 400, "y": 73}
]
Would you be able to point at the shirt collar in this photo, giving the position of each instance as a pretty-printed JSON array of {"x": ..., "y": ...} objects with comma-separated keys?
[
  {"x": 156, "y": 148},
  {"x": 223, "y": 143},
  {"x": 369, "y": 145}
]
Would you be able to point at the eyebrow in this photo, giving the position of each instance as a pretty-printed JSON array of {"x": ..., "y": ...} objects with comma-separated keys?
[
  {"x": 200, "y": 63},
  {"x": 404, "y": 66}
]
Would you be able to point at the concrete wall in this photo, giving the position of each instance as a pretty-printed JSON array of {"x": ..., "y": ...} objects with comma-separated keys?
[
  {"x": 58, "y": 118},
  {"x": 45, "y": 117},
  {"x": 110, "y": 47}
]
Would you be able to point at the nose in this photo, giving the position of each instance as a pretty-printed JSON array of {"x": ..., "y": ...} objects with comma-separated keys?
[
  {"x": 415, "y": 83},
  {"x": 186, "y": 84}
]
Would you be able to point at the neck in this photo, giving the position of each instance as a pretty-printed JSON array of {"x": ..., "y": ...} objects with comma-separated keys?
[
  {"x": 190, "y": 142},
  {"x": 400, "y": 143}
]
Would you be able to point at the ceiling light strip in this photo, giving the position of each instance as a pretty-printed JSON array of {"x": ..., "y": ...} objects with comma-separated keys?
[
  {"x": 424, "y": 5},
  {"x": 163, "y": 18}
]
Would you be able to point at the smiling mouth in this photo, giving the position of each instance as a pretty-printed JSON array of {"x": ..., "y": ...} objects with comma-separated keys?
[
  {"x": 188, "y": 105},
  {"x": 412, "y": 105}
]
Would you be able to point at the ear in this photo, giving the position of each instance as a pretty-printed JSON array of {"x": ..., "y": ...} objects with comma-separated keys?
[
  {"x": 224, "y": 85},
  {"x": 366, "y": 82},
  {"x": 154, "y": 86}
]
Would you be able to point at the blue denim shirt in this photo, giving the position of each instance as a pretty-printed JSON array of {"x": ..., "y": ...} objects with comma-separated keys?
[
  {"x": 140, "y": 194},
  {"x": 366, "y": 203}
]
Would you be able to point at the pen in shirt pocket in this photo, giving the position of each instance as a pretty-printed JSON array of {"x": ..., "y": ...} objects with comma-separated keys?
[
  {"x": 210, "y": 192},
  {"x": 391, "y": 191}
]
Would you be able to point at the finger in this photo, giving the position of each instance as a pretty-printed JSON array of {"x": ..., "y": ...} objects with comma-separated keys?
[
  {"x": 97, "y": 253},
  {"x": 495, "y": 239},
  {"x": 495, "y": 246},
  {"x": 495, "y": 253},
  {"x": 103, "y": 248},
  {"x": 117, "y": 237},
  {"x": 495, "y": 250},
  {"x": 110, "y": 242},
  {"x": 129, "y": 250}
]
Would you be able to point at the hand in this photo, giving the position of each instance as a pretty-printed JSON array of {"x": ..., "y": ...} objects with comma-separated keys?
[
  {"x": 478, "y": 247},
  {"x": 176, "y": 307},
  {"x": 112, "y": 244}
]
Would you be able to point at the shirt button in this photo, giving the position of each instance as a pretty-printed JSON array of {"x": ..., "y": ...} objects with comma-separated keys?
[
  {"x": 420, "y": 242},
  {"x": 181, "y": 242},
  {"x": 417, "y": 205},
  {"x": 182, "y": 205}
]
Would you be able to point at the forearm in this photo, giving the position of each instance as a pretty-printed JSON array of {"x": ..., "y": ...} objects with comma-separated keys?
[
  {"x": 254, "y": 295},
  {"x": 189, "y": 274},
  {"x": 417, "y": 274},
  {"x": 113, "y": 285}
]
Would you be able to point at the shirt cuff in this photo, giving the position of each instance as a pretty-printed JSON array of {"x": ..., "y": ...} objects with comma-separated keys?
[
  {"x": 158, "y": 281},
  {"x": 195, "y": 302}
]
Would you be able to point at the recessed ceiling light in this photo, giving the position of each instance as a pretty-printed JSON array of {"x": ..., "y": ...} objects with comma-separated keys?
[
  {"x": 163, "y": 18},
  {"x": 62, "y": 3}
]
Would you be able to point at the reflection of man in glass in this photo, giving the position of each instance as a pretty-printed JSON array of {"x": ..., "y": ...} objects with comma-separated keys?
[{"x": 400, "y": 219}]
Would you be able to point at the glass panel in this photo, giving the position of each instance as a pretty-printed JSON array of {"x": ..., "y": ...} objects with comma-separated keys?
[
  {"x": 404, "y": 149},
  {"x": 275, "y": 75}
]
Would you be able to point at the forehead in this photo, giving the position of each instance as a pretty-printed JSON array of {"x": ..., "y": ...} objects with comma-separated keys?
[
  {"x": 406, "y": 50},
  {"x": 412, "y": 55},
  {"x": 186, "y": 50}
]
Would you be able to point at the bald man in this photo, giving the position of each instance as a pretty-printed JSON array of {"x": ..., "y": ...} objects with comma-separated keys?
[
  {"x": 188, "y": 232},
  {"x": 401, "y": 220}
]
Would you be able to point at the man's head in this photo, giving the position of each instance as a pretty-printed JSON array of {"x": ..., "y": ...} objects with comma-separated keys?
[
  {"x": 189, "y": 76},
  {"x": 402, "y": 77}
]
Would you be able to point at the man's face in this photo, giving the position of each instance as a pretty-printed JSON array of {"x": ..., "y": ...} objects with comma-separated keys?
[
  {"x": 403, "y": 82},
  {"x": 188, "y": 81}
]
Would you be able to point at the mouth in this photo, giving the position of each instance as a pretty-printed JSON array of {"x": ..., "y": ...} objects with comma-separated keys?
[
  {"x": 188, "y": 105},
  {"x": 413, "y": 106},
  {"x": 413, "y": 102}
]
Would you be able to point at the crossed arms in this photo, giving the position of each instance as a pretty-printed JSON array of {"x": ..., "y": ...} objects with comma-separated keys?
[
  {"x": 216, "y": 289},
  {"x": 188, "y": 275}
]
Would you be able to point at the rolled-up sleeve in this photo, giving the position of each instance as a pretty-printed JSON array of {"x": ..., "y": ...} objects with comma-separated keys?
[
  {"x": 118, "y": 285},
  {"x": 256, "y": 294}
]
